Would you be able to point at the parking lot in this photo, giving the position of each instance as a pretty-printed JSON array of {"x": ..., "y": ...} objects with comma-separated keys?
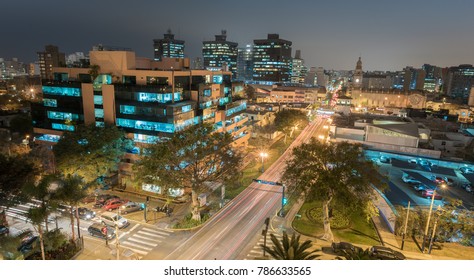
[{"x": 399, "y": 193}]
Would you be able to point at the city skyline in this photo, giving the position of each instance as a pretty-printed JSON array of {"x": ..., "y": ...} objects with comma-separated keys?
[{"x": 331, "y": 35}]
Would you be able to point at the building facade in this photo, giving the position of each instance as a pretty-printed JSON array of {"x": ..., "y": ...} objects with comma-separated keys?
[
  {"x": 245, "y": 64},
  {"x": 220, "y": 54},
  {"x": 460, "y": 79},
  {"x": 168, "y": 47},
  {"x": 298, "y": 69},
  {"x": 272, "y": 60},
  {"x": 358, "y": 75},
  {"x": 149, "y": 105},
  {"x": 49, "y": 58}
]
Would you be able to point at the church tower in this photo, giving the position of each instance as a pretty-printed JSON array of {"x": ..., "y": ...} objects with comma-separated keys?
[{"x": 357, "y": 78}]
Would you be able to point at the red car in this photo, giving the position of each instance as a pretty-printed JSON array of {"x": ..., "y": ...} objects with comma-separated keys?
[
  {"x": 113, "y": 204},
  {"x": 429, "y": 194}
]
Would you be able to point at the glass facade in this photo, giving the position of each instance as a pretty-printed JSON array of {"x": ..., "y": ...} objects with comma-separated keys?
[
  {"x": 98, "y": 100},
  {"x": 47, "y": 102},
  {"x": 146, "y": 125},
  {"x": 234, "y": 110},
  {"x": 48, "y": 138},
  {"x": 99, "y": 113},
  {"x": 60, "y": 126},
  {"x": 62, "y": 116},
  {"x": 158, "y": 97},
  {"x": 62, "y": 91}
]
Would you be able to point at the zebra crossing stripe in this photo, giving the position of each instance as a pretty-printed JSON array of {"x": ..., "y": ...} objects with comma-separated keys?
[
  {"x": 136, "y": 245},
  {"x": 154, "y": 231},
  {"x": 135, "y": 250},
  {"x": 143, "y": 242},
  {"x": 144, "y": 237},
  {"x": 150, "y": 234}
]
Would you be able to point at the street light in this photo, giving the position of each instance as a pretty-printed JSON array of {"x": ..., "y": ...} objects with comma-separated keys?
[
  {"x": 429, "y": 216},
  {"x": 263, "y": 155}
]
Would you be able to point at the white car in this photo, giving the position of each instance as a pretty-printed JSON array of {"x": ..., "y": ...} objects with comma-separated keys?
[
  {"x": 410, "y": 180},
  {"x": 112, "y": 219},
  {"x": 466, "y": 170}
]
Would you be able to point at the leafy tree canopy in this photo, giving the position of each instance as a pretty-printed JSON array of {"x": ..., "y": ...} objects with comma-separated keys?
[
  {"x": 290, "y": 248},
  {"x": 190, "y": 158},
  {"x": 337, "y": 174},
  {"x": 90, "y": 151},
  {"x": 287, "y": 120},
  {"x": 15, "y": 172}
]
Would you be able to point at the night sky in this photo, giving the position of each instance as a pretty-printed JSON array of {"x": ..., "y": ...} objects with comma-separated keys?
[{"x": 389, "y": 35}]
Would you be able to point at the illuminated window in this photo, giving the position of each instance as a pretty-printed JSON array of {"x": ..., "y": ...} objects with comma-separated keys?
[
  {"x": 50, "y": 102},
  {"x": 98, "y": 100},
  {"x": 61, "y": 126},
  {"x": 63, "y": 91}
]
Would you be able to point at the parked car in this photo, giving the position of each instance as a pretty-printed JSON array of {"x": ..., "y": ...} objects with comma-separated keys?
[
  {"x": 449, "y": 181},
  {"x": 112, "y": 219},
  {"x": 466, "y": 170},
  {"x": 102, "y": 199},
  {"x": 412, "y": 160},
  {"x": 409, "y": 180},
  {"x": 429, "y": 194},
  {"x": 28, "y": 243},
  {"x": 343, "y": 246},
  {"x": 424, "y": 162},
  {"x": 385, "y": 253},
  {"x": 130, "y": 207},
  {"x": 439, "y": 180},
  {"x": 85, "y": 213},
  {"x": 4, "y": 230},
  {"x": 467, "y": 187},
  {"x": 420, "y": 187},
  {"x": 101, "y": 231},
  {"x": 113, "y": 204}
]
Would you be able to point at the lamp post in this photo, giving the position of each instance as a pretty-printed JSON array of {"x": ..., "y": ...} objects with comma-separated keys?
[
  {"x": 434, "y": 231},
  {"x": 263, "y": 155},
  {"x": 429, "y": 217}
]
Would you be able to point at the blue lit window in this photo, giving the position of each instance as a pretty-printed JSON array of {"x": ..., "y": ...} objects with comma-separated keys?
[
  {"x": 62, "y": 116},
  {"x": 223, "y": 101},
  {"x": 217, "y": 79},
  {"x": 49, "y": 138},
  {"x": 239, "y": 108},
  {"x": 61, "y": 126},
  {"x": 186, "y": 108},
  {"x": 63, "y": 91},
  {"x": 146, "y": 125},
  {"x": 143, "y": 138},
  {"x": 98, "y": 100},
  {"x": 50, "y": 102},
  {"x": 99, "y": 113},
  {"x": 99, "y": 124},
  {"x": 127, "y": 109},
  {"x": 207, "y": 92}
]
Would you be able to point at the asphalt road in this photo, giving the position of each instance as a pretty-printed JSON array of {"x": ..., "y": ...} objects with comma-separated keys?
[{"x": 226, "y": 234}]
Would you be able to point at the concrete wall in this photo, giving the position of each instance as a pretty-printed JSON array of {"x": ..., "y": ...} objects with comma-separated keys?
[{"x": 88, "y": 103}]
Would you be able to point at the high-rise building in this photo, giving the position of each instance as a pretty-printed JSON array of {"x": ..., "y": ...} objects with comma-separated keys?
[
  {"x": 310, "y": 78},
  {"x": 272, "y": 60},
  {"x": 358, "y": 75},
  {"x": 298, "y": 69},
  {"x": 460, "y": 79},
  {"x": 168, "y": 47},
  {"x": 12, "y": 68},
  {"x": 197, "y": 64},
  {"x": 245, "y": 64},
  {"x": 220, "y": 54},
  {"x": 414, "y": 79},
  {"x": 321, "y": 78},
  {"x": 433, "y": 78},
  {"x": 49, "y": 58}
]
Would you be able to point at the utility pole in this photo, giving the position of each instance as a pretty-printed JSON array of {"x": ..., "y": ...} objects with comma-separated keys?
[
  {"x": 433, "y": 233},
  {"x": 406, "y": 224},
  {"x": 282, "y": 211},
  {"x": 264, "y": 233},
  {"x": 117, "y": 251}
]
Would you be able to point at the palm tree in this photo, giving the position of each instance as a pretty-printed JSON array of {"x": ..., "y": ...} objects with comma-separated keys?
[
  {"x": 71, "y": 193},
  {"x": 37, "y": 216},
  {"x": 290, "y": 249},
  {"x": 357, "y": 254}
]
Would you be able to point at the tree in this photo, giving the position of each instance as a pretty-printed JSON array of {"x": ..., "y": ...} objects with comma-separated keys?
[
  {"x": 94, "y": 71},
  {"x": 15, "y": 172},
  {"x": 71, "y": 193},
  {"x": 249, "y": 92},
  {"x": 9, "y": 248},
  {"x": 37, "y": 216},
  {"x": 287, "y": 121},
  {"x": 22, "y": 124},
  {"x": 190, "y": 158},
  {"x": 335, "y": 173},
  {"x": 91, "y": 152},
  {"x": 290, "y": 249}
]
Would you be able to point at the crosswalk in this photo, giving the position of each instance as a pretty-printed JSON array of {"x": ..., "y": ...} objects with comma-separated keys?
[
  {"x": 257, "y": 251},
  {"x": 144, "y": 240}
]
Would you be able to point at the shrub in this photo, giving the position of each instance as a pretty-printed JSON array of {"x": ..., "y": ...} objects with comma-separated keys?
[{"x": 338, "y": 219}]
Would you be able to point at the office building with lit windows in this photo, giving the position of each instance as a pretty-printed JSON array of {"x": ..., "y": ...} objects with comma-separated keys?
[
  {"x": 220, "y": 54},
  {"x": 168, "y": 47},
  {"x": 49, "y": 58},
  {"x": 459, "y": 81},
  {"x": 149, "y": 105},
  {"x": 245, "y": 64},
  {"x": 271, "y": 60}
]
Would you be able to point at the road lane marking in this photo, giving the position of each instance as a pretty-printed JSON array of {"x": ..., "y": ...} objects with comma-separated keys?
[
  {"x": 136, "y": 245},
  {"x": 150, "y": 234},
  {"x": 135, "y": 250},
  {"x": 155, "y": 231},
  {"x": 143, "y": 242},
  {"x": 146, "y": 238},
  {"x": 134, "y": 227}
]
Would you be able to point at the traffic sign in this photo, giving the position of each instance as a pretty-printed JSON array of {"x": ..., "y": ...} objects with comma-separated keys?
[{"x": 268, "y": 182}]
